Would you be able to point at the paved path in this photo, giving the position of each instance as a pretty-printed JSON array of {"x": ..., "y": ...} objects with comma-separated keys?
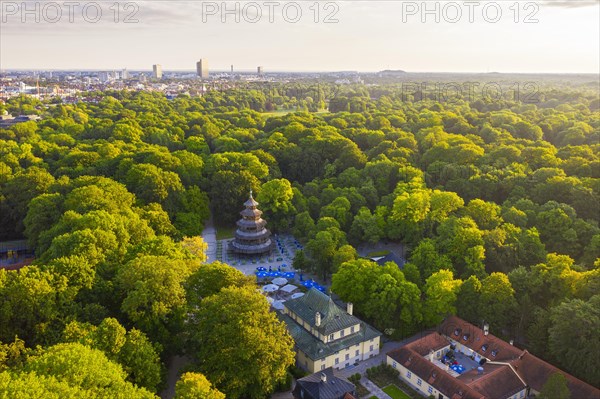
[
  {"x": 375, "y": 390},
  {"x": 175, "y": 364},
  {"x": 209, "y": 235}
]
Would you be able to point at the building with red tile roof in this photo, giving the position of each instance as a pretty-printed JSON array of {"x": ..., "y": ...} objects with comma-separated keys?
[{"x": 463, "y": 361}]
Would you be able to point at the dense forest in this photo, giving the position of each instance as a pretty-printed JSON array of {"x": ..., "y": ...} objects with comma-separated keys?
[{"x": 495, "y": 199}]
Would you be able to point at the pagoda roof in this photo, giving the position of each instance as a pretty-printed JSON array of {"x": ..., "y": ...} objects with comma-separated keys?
[
  {"x": 251, "y": 213},
  {"x": 251, "y": 202}
]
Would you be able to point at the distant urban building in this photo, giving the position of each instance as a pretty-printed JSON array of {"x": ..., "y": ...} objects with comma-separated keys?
[
  {"x": 125, "y": 74},
  {"x": 157, "y": 71},
  {"x": 326, "y": 335},
  {"x": 231, "y": 68},
  {"x": 7, "y": 120},
  {"x": 202, "y": 69},
  {"x": 259, "y": 70}
]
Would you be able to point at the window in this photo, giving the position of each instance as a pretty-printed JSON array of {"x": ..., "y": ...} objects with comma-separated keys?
[
  {"x": 484, "y": 347},
  {"x": 522, "y": 394},
  {"x": 465, "y": 337},
  {"x": 457, "y": 332},
  {"x": 438, "y": 354},
  {"x": 371, "y": 348},
  {"x": 430, "y": 390},
  {"x": 394, "y": 364},
  {"x": 408, "y": 374},
  {"x": 342, "y": 333},
  {"x": 331, "y": 337},
  {"x": 419, "y": 382},
  {"x": 351, "y": 329},
  {"x": 357, "y": 352},
  {"x": 337, "y": 361},
  {"x": 323, "y": 367},
  {"x": 347, "y": 356},
  {"x": 494, "y": 352}
]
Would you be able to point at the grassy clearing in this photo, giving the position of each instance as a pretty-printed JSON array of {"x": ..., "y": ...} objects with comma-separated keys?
[
  {"x": 378, "y": 253},
  {"x": 395, "y": 392},
  {"x": 225, "y": 232}
]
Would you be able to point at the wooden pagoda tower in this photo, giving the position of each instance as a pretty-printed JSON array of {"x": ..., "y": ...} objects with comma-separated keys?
[{"x": 251, "y": 236}]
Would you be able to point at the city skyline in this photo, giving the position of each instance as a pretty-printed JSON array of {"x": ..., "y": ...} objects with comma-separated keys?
[{"x": 367, "y": 37}]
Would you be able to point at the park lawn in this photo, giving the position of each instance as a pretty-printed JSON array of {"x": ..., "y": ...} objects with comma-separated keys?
[
  {"x": 395, "y": 392},
  {"x": 224, "y": 233},
  {"x": 375, "y": 254}
]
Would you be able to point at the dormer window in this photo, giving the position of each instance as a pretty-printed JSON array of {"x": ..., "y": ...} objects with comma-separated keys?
[
  {"x": 457, "y": 332},
  {"x": 494, "y": 352},
  {"x": 465, "y": 337},
  {"x": 484, "y": 347}
]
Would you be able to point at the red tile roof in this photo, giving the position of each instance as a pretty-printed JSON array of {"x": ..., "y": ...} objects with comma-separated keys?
[
  {"x": 434, "y": 375},
  {"x": 530, "y": 368},
  {"x": 508, "y": 371}
]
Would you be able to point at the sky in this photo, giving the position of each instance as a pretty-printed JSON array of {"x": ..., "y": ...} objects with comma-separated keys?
[{"x": 366, "y": 36}]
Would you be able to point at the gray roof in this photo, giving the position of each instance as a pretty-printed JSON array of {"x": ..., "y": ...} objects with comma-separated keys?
[
  {"x": 316, "y": 349},
  {"x": 313, "y": 347},
  {"x": 333, "y": 318},
  {"x": 333, "y": 388}
]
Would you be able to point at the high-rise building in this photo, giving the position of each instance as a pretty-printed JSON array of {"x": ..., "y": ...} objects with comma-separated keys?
[
  {"x": 259, "y": 70},
  {"x": 157, "y": 71},
  {"x": 202, "y": 69},
  {"x": 231, "y": 68},
  {"x": 125, "y": 74}
]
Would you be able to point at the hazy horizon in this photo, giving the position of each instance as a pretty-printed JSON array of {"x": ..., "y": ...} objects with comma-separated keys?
[{"x": 557, "y": 37}]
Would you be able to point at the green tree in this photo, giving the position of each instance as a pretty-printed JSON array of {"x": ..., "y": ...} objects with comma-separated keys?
[
  {"x": 440, "y": 291},
  {"x": 240, "y": 345},
  {"x": 196, "y": 386},
  {"x": 497, "y": 301},
  {"x": 153, "y": 292},
  {"x": 211, "y": 278},
  {"x": 555, "y": 388},
  {"x": 573, "y": 335},
  {"x": 275, "y": 198},
  {"x": 85, "y": 368}
]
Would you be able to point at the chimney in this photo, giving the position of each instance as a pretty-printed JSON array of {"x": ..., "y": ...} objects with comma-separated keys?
[
  {"x": 486, "y": 329},
  {"x": 512, "y": 342},
  {"x": 323, "y": 376},
  {"x": 318, "y": 319},
  {"x": 349, "y": 308}
]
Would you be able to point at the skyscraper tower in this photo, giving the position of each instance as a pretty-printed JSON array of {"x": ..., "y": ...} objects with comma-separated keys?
[
  {"x": 259, "y": 70},
  {"x": 231, "y": 68},
  {"x": 157, "y": 71},
  {"x": 202, "y": 69}
]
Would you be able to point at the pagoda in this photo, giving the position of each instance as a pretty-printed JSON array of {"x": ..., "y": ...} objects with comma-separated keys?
[{"x": 251, "y": 236}]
